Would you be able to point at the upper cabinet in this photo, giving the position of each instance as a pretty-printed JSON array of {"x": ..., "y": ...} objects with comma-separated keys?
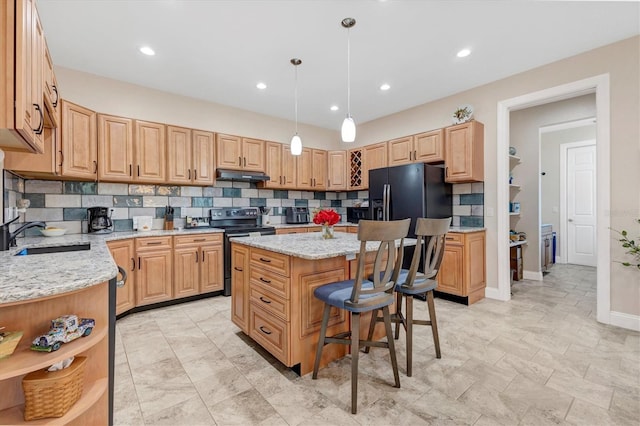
[
  {"x": 79, "y": 142},
  {"x": 464, "y": 152},
  {"x": 375, "y": 157},
  {"x": 312, "y": 169},
  {"x": 149, "y": 151},
  {"x": 280, "y": 166},
  {"x": 189, "y": 156},
  {"x": 422, "y": 148},
  {"x": 355, "y": 168},
  {"x": 337, "y": 171},
  {"x": 51, "y": 94},
  {"x": 237, "y": 153},
  {"x": 22, "y": 112}
]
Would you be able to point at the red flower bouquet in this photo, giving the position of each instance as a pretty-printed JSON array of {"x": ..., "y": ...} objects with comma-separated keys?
[{"x": 328, "y": 217}]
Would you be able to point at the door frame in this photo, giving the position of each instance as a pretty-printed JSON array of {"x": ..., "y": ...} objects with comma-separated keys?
[
  {"x": 600, "y": 86},
  {"x": 564, "y": 232}
]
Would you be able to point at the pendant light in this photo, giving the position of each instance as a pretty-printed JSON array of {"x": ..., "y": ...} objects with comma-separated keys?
[
  {"x": 348, "y": 130},
  {"x": 296, "y": 142}
]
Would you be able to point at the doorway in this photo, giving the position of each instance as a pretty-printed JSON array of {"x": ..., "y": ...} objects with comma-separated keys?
[{"x": 600, "y": 86}]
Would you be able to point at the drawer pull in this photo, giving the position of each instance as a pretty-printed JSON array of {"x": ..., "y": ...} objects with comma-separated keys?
[
  {"x": 265, "y": 300},
  {"x": 199, "y": 240},
  {"x": 265, "y": 260},
  {"x": 153, "y": 243},
  {"x": 264, "y": 330},
  {"x": 449, "y": 238},
  {"x": 265, "y": 280},
  {"x": 237, "y": 269}
]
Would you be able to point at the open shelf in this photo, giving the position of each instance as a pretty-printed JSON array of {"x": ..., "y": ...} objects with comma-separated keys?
[
  {"x": 514, "y": 159},
  {"x": 518, "y": 243},
  {"x": 91, "y": 393},
  {"x": 513, "y": 186},
  {"x": 24, "y": 360},
  {"x": 514, "y": 214}
]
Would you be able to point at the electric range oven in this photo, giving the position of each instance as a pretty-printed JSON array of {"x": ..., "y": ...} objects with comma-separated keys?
[{"x": 236, "y": 222}]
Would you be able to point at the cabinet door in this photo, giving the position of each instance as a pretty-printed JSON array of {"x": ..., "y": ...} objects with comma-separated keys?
[
  {"x": 337, "y": 173},
  {"x": 228, "y": 152},
  {"x": 428, "y": 147},
  {"x": 253, "y": 155},
  {"x": 319, "y": 169},
  {"x": 450, "y": 276},
  {"x": 401, "y": 151},
  {"x": 304, "y": 169},
  {"x": 154, "y": 277},
  {"x": 149, "y": 152},
  {"x": 186, "y": 265},
  {"x": 273, "y": 164},
  {"x": 115, "y": 147},
  {"x": 203, "y": 149},
  {"x": 211, "y": 269},
  {"x": 37, "y": 165},
  {"x": 37, "y": 81},
  {"x": 240, "y": 286},
  {"x": 289, "y": 167},
  {"x": 179, "y": 152},
  {"x": 122, "y": 253},
  {"x": 375, "y": 157},
  {"x": 464, "y": 152},
  {"x": 79, "y": 142}
]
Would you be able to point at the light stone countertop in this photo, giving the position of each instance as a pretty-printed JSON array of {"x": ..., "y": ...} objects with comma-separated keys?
[
  {"x": 465, "y": 229},
  {"x": 41, "y": 275},
  {"x": 306, "y": 225},
  {"x": 311, "y": 245}
]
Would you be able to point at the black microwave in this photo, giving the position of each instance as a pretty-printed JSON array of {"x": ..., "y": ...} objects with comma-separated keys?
[{"x": 355, "y": 214}]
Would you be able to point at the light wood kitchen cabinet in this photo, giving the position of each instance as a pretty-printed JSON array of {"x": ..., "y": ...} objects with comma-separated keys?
[
  {"x": 115, "y": 148},
  {"x": 337, "y": 171},
  {"x": 464, "y": 152},
  {"x": 154, "y": 274},
  {"x": 190, "y": 156},
  {"x": 79, "y": 142},
  {"x": 294, "y": 230},
  {"x": 280, "y": 166},
  {"x": 312, "y": 169},
  {"x": 149, "y": 151},
  {"x": 355, "y": 168},
  {"x": 198, "y": 264},
  {"x": 237, "y": 153},
  {"x": 123, "y": 253},
  {"x": 462, "y": 272},
  {"x": 422, "y": 148},
  {"x": 51, "y": 94},
  {"x": 240, "y": 286},
  {"x": 375, "y": 157}
]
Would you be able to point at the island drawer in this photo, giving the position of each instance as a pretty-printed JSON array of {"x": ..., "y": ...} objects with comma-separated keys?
[
  {"x": 454, "y": 238},
  {"x": 153, "y": 243},
  {"x": 200, "y": 239},
  {"x": 270, "y": 302},
  {"x": 274, "y": 262},
  {"x": 274, "y": 283},
  {"x": 270, "y": 332}
]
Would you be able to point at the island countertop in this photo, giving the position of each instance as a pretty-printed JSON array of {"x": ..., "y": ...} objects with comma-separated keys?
[
  {"x": 41, "y": 275},
  {"x": 311, "y": 245}
]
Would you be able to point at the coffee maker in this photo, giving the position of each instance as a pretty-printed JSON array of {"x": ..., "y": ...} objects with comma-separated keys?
[{"x": 99, "y": 220}]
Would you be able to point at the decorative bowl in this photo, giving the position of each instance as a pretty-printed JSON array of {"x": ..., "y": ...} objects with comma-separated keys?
[{"x": 53, "y": 232}]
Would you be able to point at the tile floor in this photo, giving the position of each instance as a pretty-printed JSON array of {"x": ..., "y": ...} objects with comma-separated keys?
[{"x": 539, "y": 359}]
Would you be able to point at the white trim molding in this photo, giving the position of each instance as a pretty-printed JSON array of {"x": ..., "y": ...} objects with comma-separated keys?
[
  {"x": 600, "y": 85},
  {"x": 620, "y": 319}
]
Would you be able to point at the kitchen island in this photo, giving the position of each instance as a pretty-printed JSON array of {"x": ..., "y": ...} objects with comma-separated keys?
[{"x": 273, "y": 279}]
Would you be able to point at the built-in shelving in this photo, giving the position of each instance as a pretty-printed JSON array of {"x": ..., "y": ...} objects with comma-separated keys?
[
  {"x": 514, "y": 186},
  {"x": 514, "y": 159},
  {"x": 518, "y": 243}
]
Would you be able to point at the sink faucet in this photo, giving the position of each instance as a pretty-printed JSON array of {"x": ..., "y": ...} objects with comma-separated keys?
[{"x": 8, "y": 239}]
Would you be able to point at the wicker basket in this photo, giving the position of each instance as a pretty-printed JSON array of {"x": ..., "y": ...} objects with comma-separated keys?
[{"x": 52, "y": 393}]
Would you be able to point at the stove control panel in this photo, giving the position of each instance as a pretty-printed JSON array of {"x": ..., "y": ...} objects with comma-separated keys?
[{"x": 233, "y": 213}]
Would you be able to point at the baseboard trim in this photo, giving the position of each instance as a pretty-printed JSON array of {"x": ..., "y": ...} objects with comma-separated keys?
[
  {"x": 532, "y": 275},
  {"x": 493, "y": 293},
  {"x": 620, "y": 319}
]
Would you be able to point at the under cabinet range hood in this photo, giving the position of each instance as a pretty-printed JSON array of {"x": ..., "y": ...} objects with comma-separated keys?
[{"x": 240, "y": 175}]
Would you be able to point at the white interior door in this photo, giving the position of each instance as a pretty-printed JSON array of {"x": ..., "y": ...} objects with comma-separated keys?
[{"x": 581, "y": 205}]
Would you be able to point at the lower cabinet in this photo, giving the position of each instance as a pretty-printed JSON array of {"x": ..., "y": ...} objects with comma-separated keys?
[
  {"x": 546, "y": 247},
  {"x": 197, "y": 263},
  {"x": 123, "y": 253},
  {"x": 154, "y": 275},
  {"x": 462, "y": 272},
  {"x": 240, "y": 287}
]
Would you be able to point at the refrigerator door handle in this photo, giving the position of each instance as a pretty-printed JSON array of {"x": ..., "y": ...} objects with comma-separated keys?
[{"x": 385, "y": 202}]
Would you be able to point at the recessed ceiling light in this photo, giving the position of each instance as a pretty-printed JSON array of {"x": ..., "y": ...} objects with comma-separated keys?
[
  {"x": 334, "y": 108},
  {"x": 385, "y": 87},
  {"x": 463, "y": 53},
  {"x": 147, "y": 51},
  {"x": 261, "y": 86}
]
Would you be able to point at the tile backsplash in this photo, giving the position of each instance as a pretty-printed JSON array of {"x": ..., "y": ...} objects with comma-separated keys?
[{"x": 65, "y": 203}]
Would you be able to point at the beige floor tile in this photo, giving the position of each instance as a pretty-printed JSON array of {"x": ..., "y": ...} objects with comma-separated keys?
[
  {"x": 297, "y": 403},
  {"x": 221, "y": 384},
  {"x": 529, "y": 369},
  {"x": 548, "y": 402},
  {"x": 497, "y": 406},
  {"x": 387, "y": 411},
  {"x": 245, "y": 408},
  {"x": 582, "y": 413},
  {"x": 331, "y": 416},
  {"x": 438, "y": 408},
  {"x": 519, "y": 348},
  {"x": 585, "y": 390},
  {"x": 191, "y": 412}
]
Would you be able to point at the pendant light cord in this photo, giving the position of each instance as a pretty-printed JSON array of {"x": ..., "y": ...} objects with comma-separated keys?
[
  {"x": 348, "y": 72},
  {"x": 295, "y": 95}
]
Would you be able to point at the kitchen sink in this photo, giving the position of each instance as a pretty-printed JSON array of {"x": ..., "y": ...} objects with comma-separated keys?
[{"x": 53, "y": 249}]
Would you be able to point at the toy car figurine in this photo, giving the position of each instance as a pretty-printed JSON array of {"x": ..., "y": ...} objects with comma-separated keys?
[{"x": 64, "y": 329}]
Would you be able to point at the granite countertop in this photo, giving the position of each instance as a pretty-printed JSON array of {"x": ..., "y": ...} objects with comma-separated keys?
[
  {"x": 41, "y": 275},
  {"x": 465, "y": 229},
  {"x": 311, "y": 246},
  {"x": 306, "y": 225}
]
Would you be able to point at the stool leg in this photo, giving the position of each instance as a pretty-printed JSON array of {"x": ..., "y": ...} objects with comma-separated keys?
[
  {"x": 434, "y": 324},
  {"x": 409, "y": 300},
  {"x": 355, "y": 352},
  {"x": 323, "y": 334},
  {"x": 392, "y": 348},
  {"x": 372, "y": 327},
  {"x": 398, "y": 314}
]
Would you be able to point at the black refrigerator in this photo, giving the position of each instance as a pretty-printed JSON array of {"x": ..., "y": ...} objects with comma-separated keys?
[{"x": 409, "y": 191}]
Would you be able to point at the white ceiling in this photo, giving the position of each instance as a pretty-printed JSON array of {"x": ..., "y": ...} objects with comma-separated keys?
[{"x": 218, "y": 50}]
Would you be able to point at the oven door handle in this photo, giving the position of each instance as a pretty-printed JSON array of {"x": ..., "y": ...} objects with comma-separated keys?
[{"x": 237, "y": 235}]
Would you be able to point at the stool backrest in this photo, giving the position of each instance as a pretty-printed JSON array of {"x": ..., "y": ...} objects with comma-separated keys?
[
  {"x": 387, "y": 232},
  {"x": 430, "y": 232}
]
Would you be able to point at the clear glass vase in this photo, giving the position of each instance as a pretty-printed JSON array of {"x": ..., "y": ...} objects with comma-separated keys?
[{"x": 327, "y": 232}]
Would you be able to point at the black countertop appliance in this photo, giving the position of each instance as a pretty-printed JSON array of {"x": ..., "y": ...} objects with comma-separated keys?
[
  {"x": 356, "y": 214},
  {"x": 99, "y": 220},
  {"x": 297, "y": 215}
]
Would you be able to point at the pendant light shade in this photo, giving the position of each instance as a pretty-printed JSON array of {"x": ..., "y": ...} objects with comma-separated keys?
[
  {"x": 296, "y": 142},
  {"x": 348, "y": 130}
]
